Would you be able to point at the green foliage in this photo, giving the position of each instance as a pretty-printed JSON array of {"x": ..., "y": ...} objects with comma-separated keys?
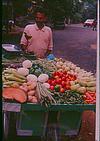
[{"x": 73, "y": 9}]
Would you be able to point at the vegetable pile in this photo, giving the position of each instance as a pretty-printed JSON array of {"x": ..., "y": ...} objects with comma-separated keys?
[{"x": 49, "y": 82}]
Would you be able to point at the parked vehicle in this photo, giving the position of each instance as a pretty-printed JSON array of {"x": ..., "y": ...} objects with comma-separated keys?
[
  {"x": 88, "y": 23},
  {"x": 94, "y": 26}
]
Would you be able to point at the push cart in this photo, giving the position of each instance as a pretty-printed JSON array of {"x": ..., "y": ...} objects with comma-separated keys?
[{"x": 48, "y": 123}]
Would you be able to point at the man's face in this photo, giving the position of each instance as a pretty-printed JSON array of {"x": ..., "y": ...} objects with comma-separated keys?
[{"x": 40, "y": 18}]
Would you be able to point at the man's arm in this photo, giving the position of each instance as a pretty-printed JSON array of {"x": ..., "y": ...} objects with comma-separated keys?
[
  {"x": 24, "y": 39},
  {"x": 48, "y": 52},
  {"x": 50, "y": 45}
]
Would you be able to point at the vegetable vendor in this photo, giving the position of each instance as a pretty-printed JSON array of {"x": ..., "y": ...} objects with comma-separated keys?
[{"x": 37, "y": 38}]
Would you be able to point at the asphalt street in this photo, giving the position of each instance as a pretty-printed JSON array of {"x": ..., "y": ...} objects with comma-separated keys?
[{"x": 78, "y": 45}]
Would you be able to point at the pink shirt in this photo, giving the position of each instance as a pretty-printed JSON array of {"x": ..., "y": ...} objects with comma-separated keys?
[{"x": 40, "y": 42}]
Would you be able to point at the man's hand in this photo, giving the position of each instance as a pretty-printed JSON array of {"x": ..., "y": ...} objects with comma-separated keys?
[
  {"x": 24, "y": 48},
  {"x": 27, "y": 36},
  {"x": 48, "y": 52}
]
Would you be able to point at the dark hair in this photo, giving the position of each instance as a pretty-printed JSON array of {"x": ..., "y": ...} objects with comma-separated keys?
[{"x": 40, "y": 10}]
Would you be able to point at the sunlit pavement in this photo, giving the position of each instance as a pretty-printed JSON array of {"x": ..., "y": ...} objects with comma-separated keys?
[{"x": 77, "y": 44}]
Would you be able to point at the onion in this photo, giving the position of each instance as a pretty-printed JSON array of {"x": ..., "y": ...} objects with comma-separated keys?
[
  {"x": 23, "y": 71},
  {"x": 27, "y": 64},
  {"x": 32, "y": 77},
  {"x": 47, "y": 85}
]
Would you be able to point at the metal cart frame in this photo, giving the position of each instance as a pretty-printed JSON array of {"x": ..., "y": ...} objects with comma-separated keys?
[{"x": 36, "y": 120}]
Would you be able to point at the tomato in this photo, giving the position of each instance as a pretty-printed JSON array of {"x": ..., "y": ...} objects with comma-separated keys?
[
  {"x": 66, "y": 75},
  {"x": 51, "y": 87},
  {"x": 54, "y": 74},
  {"x": 58, "y": 81},
  {"x": 62, "y": 90},
  {"x": 53, "y": 82},
  {"x": 64, "y": 78},
  {"x": 68, "y": 82},
  {"x": 67, "y": 79},
  {"x": 49, "y": 81},
  {"x": 57, "y": 73},
  {"x": 56, "y": 77},
  {"x": 60, "y": 74},
  {"x": 68, "y": 87},
  {"x": 72, "y": 77},
  {"x": 63, "y": 83},
  {"x": 64, "y": 72}
]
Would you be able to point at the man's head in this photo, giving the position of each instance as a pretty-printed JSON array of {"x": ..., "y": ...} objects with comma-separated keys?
[{"x": 40, "y": 18}]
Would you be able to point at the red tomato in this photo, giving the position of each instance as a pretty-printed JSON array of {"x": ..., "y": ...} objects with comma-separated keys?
[
  {"x": 67, "y": 79},
  {"x": 75, "y": 77},
  {"x": 67, "y": 87},
  {"x": 62, "y": 90},
  {"x": 56, "y": 77},
  {"x": 60, "y": 74},
  {"x": 51, "y": 87},
  {"x": 72, "y": 77},
  {"x": 63, "y": 83},
  {"x": 54, "y": 74},
  {"x": 66, "y": 75},
  {"x": 49, "y": 81},
  {"x": 64, "y": 78},
  {"x": 64, "y": 72},
  {"x": 57, "y": 73},
  {"x": 68, "y": 82},
  {"x": 53, "y": 82},
  {"x": 58, "y": 81}
]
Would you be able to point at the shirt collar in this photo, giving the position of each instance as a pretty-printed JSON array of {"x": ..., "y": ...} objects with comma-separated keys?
[{"x": 36, "y": 27}]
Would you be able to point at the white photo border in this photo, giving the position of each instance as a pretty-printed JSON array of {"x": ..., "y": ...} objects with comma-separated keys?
[{"x": 97, "y": 131}]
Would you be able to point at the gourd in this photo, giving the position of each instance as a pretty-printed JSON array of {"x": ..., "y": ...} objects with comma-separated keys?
[
  {"x": 43, "y": 78},
  {"x": 27, "y": 64}
]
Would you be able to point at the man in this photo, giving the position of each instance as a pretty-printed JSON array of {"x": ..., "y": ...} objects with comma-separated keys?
[
  {"x": 32, "y": 5},
  {"x": 95, "y": 24},
  {"x": 37, "y": 38}
]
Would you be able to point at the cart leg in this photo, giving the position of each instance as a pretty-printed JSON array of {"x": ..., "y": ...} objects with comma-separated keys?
[
  {"x": 5, "y": 125},
  {"x": 57, "y": 137},
  {"x": 9, "y": 125},
  {"x": 52, "y": 133}
]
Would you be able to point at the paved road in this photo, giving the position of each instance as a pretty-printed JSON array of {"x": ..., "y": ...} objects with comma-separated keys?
[{"x": 77, "y": 44}]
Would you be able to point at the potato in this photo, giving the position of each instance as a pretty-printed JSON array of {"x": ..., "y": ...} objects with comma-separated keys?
[
  {"x": 30, "y": 98},
  {"x": 24, "y": 88},
  {"x": 31, "y": 93},
  {"x": 34, "y": 99}
]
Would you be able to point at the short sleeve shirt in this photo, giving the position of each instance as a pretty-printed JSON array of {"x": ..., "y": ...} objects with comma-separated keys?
[{"x": 40, "y": 41}]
